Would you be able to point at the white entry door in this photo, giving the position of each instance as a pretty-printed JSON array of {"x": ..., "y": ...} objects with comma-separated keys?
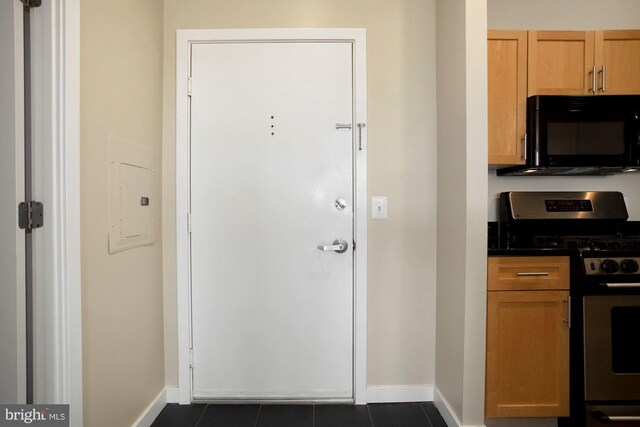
[
  {"x": 271, "y": 200},
  {"x": 12, "y": 252}
]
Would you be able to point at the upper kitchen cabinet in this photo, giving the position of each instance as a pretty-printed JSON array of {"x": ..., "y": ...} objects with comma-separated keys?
[
  {"x": 584, "y": 62},
  {"x": 561, "y": 62},
  {"x": 507, "y": 80},
  {"x": 617, "y": 58}
]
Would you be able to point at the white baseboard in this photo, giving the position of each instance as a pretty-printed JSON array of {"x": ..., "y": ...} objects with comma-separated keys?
[
  {"x": 152, "y": 411},
  {"x": 446, "y": 411},
  {"x": 173, "y": 395},
  {"x": 399, "y": 393}
]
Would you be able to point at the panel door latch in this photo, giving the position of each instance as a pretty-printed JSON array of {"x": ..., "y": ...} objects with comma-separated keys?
[{"x": 30, "y": 215}]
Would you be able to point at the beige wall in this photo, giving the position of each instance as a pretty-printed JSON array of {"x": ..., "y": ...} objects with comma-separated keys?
[
  {"x": 462, "y": 147},
  {"x": 121, "y": 94},
  {"x": 563, "y": 15},
  {"x": 567, "y": 15},
  {"x": 402, "y": 164}
]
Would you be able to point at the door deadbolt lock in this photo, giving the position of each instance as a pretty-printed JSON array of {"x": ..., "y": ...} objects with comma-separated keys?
[{"x": 339, "y": 245}]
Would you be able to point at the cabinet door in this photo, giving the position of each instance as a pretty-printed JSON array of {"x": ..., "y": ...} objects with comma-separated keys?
[
  {"x": 617, "y": 58},
  {"x": 561, "y": 62},
  {"x": 527, "y": 354},
  {"x": 507, "y": 80}
]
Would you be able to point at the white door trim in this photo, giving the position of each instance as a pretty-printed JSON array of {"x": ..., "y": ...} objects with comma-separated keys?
[
  {"x": 183, "y": 42},
  {"x": 13, "y": 351},
  {"x": 56, "y": 138}
]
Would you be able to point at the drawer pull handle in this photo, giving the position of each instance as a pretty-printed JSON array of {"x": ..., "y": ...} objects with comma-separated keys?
[{"x": 532, "y": 273}]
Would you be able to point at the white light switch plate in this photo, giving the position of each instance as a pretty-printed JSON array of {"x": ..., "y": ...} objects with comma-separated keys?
[{"x": 379, "y": 207}]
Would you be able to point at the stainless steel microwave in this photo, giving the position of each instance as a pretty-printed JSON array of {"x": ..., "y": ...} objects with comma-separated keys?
[{"x": 581, "y": 135}]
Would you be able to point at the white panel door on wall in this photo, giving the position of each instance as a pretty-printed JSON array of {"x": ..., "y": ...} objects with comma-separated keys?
[
  {"x": 271, "y": 189},
  {"x": 12, "y": 251}
]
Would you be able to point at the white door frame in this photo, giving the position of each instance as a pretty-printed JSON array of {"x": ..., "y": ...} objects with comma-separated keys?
[
  {"x": 55, "y": 58},
  {"x": 13, "y": 350},
  {"x": 184, "y": 40}
]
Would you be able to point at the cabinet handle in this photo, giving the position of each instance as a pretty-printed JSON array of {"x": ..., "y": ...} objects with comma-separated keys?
[
  {"x": 593, "y": 79},
  {"x": 604, "y": 78},
  {"x": 568, "y": 320},
  {"x": 532, "y": 273}
]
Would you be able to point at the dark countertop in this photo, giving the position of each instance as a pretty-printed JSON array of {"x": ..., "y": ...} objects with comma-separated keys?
[
  {"x": 495, "y": 250},
  {"x": 531, "y": 252}
]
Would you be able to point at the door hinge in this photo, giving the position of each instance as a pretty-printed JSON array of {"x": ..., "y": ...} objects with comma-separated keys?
[
  {"x": 189, "y": 80},
  {"x": 354, "y": 245},
  {"x": 30, "y": 215},
  {"x": 188, "y": 222},
  {"x": 31, "y": 3},
  {"x": 191, "y": 358}
]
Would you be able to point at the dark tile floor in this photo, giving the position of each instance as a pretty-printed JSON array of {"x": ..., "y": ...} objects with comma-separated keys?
[{"x": 420, "y": 414}]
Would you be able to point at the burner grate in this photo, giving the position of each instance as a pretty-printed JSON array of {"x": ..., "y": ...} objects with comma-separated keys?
[{"x": 583, "y": 243}]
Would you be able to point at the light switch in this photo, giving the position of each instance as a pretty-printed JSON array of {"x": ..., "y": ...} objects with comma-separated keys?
[{"x": 379, "y": 207}]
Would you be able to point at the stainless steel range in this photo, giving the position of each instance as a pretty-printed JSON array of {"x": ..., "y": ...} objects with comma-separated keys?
[{"x": 604, "y": 247}]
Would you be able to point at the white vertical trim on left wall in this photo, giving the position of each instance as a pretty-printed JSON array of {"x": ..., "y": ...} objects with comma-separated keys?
[
  {"x": 56, "y": 50},
  {"x": 70, "y": 364}
]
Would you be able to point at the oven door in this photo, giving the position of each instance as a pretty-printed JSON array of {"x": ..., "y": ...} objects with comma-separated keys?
[{"x": 612, "y": 346}]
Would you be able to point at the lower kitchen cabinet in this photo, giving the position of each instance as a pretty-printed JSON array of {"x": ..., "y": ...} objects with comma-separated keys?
[{"x": 527, "y": 372}]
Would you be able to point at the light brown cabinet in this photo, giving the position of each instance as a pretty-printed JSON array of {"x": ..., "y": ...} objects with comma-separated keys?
[
  {"x": 560, "y": 62},
  {"x": 507, "y": 80},
  {"x": 527, "y": 63},
  {"x": 527, "y": 364},
  {"x": 584, "y": 62},
  {"x": 618, "y": 51}
]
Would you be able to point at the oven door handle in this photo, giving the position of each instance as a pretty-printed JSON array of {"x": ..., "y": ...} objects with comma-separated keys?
[
  {"x": 606, "y": 419},
  {"x": 622, "y": 285}
]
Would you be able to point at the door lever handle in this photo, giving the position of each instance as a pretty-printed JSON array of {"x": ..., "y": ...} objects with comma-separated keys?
[{"x": 339, "y": 246}]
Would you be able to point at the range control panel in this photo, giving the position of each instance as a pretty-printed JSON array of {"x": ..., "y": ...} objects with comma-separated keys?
[
  {"x": 568, "y": 205},
  {"x": 610, "y": 266}
]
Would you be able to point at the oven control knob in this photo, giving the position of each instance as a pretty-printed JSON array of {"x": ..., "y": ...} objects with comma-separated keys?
[
  {"x": 629, "y": 266},
  {"x": 610, "y": 266}
]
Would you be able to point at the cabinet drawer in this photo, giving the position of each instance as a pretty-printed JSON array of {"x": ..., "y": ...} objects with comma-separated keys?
[{"x": 528, "y": 273}]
